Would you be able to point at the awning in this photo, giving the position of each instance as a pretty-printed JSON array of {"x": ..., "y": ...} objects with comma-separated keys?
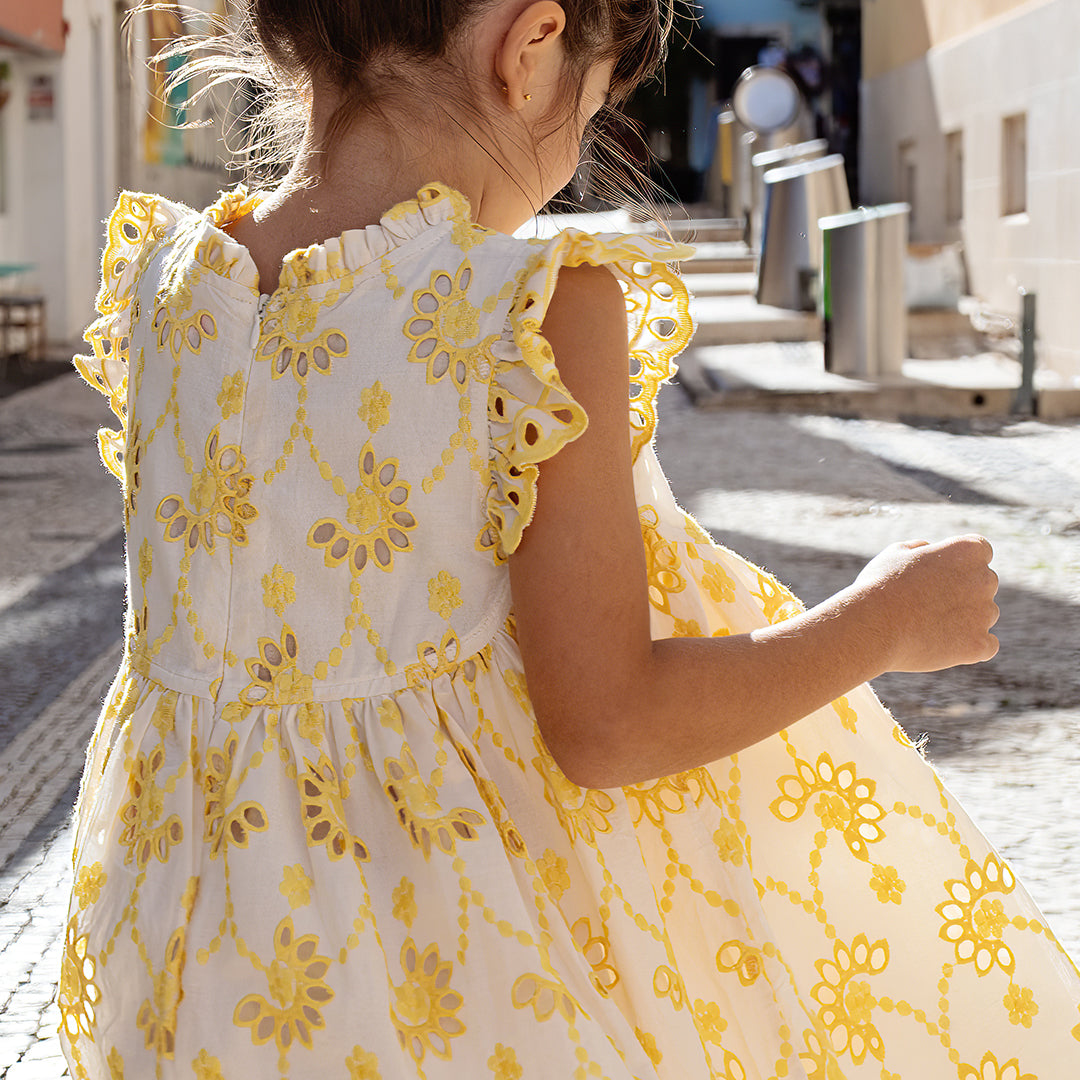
[{"x": 34, "y": 25}]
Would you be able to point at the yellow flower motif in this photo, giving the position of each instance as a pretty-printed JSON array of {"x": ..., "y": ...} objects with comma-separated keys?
[
  {"x": 88, "y": 884},
  {"x": 279, "y": 589},
  {"x": 219, "y": 501},
  {"x": 581, "y": 811},
  {"x": 362, "y": 1065},
  {"x": 669, "y": 795},
  {"x": 687, "y": 628},
  {"x": 231, "y": 398},
  {"x": 286, "y": 322},
  {"x": 648, "y": 1044},
  {"x": 390, "y": 715},
  {"x": 596, "y": 949},
  {"x": 424, "y": 1010},
  {"x": 295, "y": 886},
  {"x": 311, "y": 721},
  {"x": 443, "y": 325},
  {"x": 419, "y": 812},
  {"x": 115, "y": 1061},
  {"x": 405, "y": 902},
  {"x": 275, "y": 678},
  {"x": 377, "y": 521},
  {"x": 295, "y": 981},
  {"x": 887, "y": 883},
  {"x": 710, "y": 1023},
  {"x": 847, "y": 1003},
  {"x": 174, "y": 331},
  {"x": 323, "y": 811},
  {"x": 374, "y": 406},
  {"x": 1020, "y": 1001},
  {"x": 207, "y": 1067},
  {"x": 973, "y": 921},
  {"x": 1005, "y": 1070},
  {"x": 848, "y": 716},
  {"x": 444, "y": 594},
  {"x": 546, "y": 997},
  {"x": 777, "y": 603},
  {"x": 846, "y": 804},
  {"x": 78, "y": 994},
  {"x": 222, "y": 825},
  {"x": 728, "y": 843},
  {"x": 661, "y": 562},
  {"x": 504, "y": 1063},
  {"x": 718, "y": 584},
  {"x": 745, "y": 960},
  {"x": 145, "y": 805},
  {"x": 553, "y": 872}
]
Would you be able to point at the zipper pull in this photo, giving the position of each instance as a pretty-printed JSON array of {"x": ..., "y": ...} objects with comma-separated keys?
[{"x": 256, "y": 330}]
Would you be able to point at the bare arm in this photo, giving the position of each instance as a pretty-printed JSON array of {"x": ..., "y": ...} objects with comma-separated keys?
[{"x": 616, "y": 707}]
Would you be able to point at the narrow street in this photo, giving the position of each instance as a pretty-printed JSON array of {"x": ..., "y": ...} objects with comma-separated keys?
[{"x": 811, "y": 497}]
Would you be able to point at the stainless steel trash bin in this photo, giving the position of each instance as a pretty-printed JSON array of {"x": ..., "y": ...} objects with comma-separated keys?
[
  {"x": 796, "y": 197},
  {"x": 766, "y": 160},
  {"x": 862, "y": 296}
]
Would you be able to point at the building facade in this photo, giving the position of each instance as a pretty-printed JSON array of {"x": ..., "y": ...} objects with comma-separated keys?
[
  {"x": 970, "y": 111},
  {"x": 79, "y": 120}
]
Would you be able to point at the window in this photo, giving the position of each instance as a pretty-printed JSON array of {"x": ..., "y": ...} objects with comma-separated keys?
[
  {"x": 1014, "y": 164},
  {"x": 907, "y": 177},
  {"x": 954, "y": 177}
]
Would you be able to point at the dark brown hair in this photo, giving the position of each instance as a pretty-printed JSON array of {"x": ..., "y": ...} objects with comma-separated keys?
[{"x": 375, "y": 53}]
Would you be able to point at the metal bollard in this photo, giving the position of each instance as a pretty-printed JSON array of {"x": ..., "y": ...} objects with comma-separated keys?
[
  {"x": 796, "y": 197},
  {"x": 1024, "y": 403}
]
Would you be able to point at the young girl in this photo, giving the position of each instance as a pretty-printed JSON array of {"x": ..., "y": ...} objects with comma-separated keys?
[{"x": 415, "y": 626}]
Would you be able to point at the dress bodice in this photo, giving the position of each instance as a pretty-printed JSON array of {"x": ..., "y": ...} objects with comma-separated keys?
[{"x": 322, "y": 486}]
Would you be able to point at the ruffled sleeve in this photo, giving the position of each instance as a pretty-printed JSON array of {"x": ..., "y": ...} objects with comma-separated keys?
[
  {"x": 135, "y": 228},
  {"x": 531, "y": 414}
]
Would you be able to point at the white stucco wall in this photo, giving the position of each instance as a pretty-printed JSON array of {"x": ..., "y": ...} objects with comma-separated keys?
[{"x": 1028, "y": 63}]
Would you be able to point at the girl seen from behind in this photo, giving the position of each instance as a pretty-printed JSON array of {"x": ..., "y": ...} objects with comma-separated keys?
[{"x": 445, "y": 744}]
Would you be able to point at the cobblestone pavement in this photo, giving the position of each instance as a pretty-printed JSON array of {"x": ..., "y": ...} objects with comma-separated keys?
[{"x": 811, "y": 497}]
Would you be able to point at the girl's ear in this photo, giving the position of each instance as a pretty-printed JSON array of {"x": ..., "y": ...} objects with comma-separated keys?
[{"x": 530, "y": 49}]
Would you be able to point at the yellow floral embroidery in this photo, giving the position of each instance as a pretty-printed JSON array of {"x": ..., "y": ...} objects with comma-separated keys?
[
  {"x": 115, "y": 1061},
  {"x": 504, "y": 1064},
  {"x": 131, "y": 465},
  {"x": 175, "y": 331},
  {"x": 596, "y": 949},
  {"x": 78, "y": 995},
  {"x": 729, "y": 845},
  {"x": 741, "y": 959},
  {"x": 206, "y": 1067},
  {"x": 553, "y": 872},
  {"x": 974, "y": 922},
  {"x": 669, "y": 795},
  {"x": 275, "y": 677},
  {"x": 144, "y": 806},
  {"x": 718, "y": 583},
  {"x": 545, "y": 996},
  {"x": 846, "y": 802},
  {"x": 687, "y": 628},
  {"x": 648, "y": 1044},
  {"x": 444, "y": 594},
  {"x": 661, "y": 562},
  {"x": 295, "y": 886},
  {"x": 374, "y": 406},
  {"x": 710, "y": 1023},
  {"x": 888, "y": 884},
  {"x": 405, "y": 902},
  {"x": 846, "y": 1001},
  {"x": 777, "y": 603},
  {"x": 444, "y": 322},
  {"x": 424, "y": 1010},
  {"x": 362, "y": 1065},
  {"x": 222, "y": 825},
  {"x": 219, "y": 501},
  {"x": 377, "y": 521},
  {"x": 324, "y": 812},
  {"x": 295, "y": 980},
  {"x": 156, "y": 1017},
  {"x": 231, "y": 398},
  {"x": 279, "y": 589},
  {"x": 1005, "y": 1070},
  {"x": 88, "y": 884},
  {"x": 288, "y": 318},
  {"x": 419, "y": 812},
  {"x": 1020, "y": 1002}
]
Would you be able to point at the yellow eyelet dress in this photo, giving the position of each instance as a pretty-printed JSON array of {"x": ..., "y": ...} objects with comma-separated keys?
[{"x": 319, "y": 834}]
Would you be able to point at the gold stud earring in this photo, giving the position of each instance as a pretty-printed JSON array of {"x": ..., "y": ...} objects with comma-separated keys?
[{"x": 528, "y": 97}]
